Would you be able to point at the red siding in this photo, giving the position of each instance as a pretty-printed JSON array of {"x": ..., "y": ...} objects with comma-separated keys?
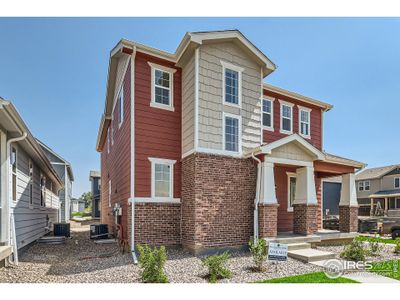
[
  {"x": 316, "y": 126},
  {"x": 157, "y": 131},
  {"x": 115, "y": 166}
]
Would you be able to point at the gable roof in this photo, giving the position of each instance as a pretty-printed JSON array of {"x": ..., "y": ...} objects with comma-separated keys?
[
  {"x": 94, "y": 174},
  {"x": 374, "y": 173}
]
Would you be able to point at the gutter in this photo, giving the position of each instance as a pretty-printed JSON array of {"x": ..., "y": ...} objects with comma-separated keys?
[{"x": 257, "y": 200}]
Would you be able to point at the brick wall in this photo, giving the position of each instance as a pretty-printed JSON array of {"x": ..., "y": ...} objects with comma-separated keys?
[
  {"x": 305, "y": 219},
  {"x": 217, "y": 196},
  {"x": 348, "y": 218},
  {"x": 268, "y": 220}
]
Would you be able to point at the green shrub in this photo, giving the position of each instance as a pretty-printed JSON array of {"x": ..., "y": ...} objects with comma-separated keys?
[
  {"x": 397, "y": 248},
  {"x": 374, "y": 247},
  {"x": 258, "y": 249},
  {"x": 152, "y": 261},
  {"x": 354, "y": 251},
  {"x": 216, "y": 265}
]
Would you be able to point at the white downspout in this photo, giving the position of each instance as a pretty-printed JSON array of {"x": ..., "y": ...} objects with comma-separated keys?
[
  {"x": 11, "y": 216},
  {"x": 257, "y": 200},
  {"x": 132, "y": 199}
]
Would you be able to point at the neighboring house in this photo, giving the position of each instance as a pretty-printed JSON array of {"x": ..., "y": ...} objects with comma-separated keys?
[
  {"x": 331, "y": 188},
  {"x": 379, "y": 185},
  {"x": 28, "y": 184},
  {"x": 64, "y": 171},
  {"x": 95, "y": 180},
  {"x": 198, "y": 151},
  {"x": 77, "y": 205}
]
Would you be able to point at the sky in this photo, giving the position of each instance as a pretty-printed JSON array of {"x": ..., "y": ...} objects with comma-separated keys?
[{"x": 54, "y": 70}]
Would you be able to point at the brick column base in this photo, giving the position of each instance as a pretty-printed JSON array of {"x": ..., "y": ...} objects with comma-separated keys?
[
  {"x": 305, "y": 219},
  {"x": 348, "y": 218},
  {"x": 268, "y": 220}
]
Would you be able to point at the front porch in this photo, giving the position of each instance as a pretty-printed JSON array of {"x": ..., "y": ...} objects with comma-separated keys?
[
  {"x": 385, "y": 203},
  {"x": 288, "y": 194}
]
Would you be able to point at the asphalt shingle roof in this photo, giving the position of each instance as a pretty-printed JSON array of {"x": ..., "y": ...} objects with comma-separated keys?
[{"x": 375, "y": 172}]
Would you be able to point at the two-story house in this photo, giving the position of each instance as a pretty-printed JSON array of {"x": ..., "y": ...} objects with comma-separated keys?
[
  {"x": 198, "y": 151},
  {"x": 378, "y": 191},
  {"x": 29, "y": 186},
  {"x": 95, "y": 180}
]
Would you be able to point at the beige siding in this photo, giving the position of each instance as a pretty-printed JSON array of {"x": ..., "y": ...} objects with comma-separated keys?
[
  {"x": 388, "y": 182},
  {"x": 122, "y": 65},
  {"x": 211, "y": 99},
  {"x": 291, "y": 151},
  {"x": 30, "y": 222},
  {"x": 375, "y": 186},
  {"x": 188, "y": 86}
]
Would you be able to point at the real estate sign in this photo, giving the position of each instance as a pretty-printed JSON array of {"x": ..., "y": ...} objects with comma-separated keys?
[{"x": 277, "y": 251}]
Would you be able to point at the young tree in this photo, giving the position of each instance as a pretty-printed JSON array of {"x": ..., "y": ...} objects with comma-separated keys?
[{"x": 87, "y": 197}]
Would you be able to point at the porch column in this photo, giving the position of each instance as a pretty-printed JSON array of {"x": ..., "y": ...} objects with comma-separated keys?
[
  {"x": 348, "y": 205},
  {"x": 371, "y": 212},
  {"x": 386, "y": 206},
  {"x": 305, "y": 204},
  {"x": 268, "y": 206}
]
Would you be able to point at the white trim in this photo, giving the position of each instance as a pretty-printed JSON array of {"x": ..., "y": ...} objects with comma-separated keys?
[
  {"x": 157, "y": 200},
  {"x": 290, "y": 175},
  {"x": 43, "y": 190},
  {"x": 13, "y": 202},
  {"x": 196, "y": 98},
  {"x": 108, "y": 139},
  {"x": 365, "y": 185},
  {"x": 188, "y": 153},
  {"x": 109, "y": 192},
  {"x": 132, "y": 169},
  {"x": 162, "y": 161},
  {"x": 171, "y": 72},
  {"x": 217, "y": 152},
  {"x": 261, "y": 113},
  {"x": 121, "y": 99},
  {"x": 271, "y": 100},
  {"x": 394, "y": 182},
  {"x": 290, "y": 105},
  {"x": 118, "y": 88},
  {"x": 239, "y": 70},
  {"x": 30, "y": 184},
  {"x": 307, "y": 110},
  {"x": 286, "y": 161},
  {"x": 239, "y": 118}
]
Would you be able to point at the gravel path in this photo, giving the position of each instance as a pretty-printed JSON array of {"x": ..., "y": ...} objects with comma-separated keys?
[{"x": 80, "y": 260}]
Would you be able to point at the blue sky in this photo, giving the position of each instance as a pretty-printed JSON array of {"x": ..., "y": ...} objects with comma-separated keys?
[{"x": 55, "y": 69}]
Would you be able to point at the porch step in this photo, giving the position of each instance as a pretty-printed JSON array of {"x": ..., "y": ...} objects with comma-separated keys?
[
  {"x": 5, "y": 251},
  {"x": 310, "y": 255},
  {"x": 295, "y": 239},
  {"x": 298, "y": 246}
]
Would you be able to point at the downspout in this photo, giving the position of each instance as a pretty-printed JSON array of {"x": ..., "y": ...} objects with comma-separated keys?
[
  {"x": 11, "y": 215},
  {"x": 257, "y": 199},
  {"x": 132, "y": 199}
]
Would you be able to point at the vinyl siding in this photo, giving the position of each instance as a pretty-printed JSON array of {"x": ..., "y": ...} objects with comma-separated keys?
[
  {"x": 211, "y": 104},
  {"x": 388, "y": 182},
  {"x": 188, "y": 94},
  {"x": 375, "y": 186},
  {"x": 30, "y": 222}
]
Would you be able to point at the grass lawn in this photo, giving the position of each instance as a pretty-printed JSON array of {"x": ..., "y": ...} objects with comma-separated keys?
[
  {"x": 317, "y": 277},
  {"x": 376, "y": 239},
  {"x": 389, "y": 268}
]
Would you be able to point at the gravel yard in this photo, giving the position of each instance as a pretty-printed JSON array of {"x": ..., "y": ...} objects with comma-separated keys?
[{"x": 80, "y": 260}]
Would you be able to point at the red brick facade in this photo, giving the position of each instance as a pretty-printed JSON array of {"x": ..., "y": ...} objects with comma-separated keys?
[
  {"x": 348, "y": 216},
  {"x": 268, "y": 220},
  {"x": 305, "y": 219},
  {"x": 218, "y": 195}
]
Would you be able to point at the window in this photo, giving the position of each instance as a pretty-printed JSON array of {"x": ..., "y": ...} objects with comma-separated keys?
[
  {"x": 42, "y": 190},
  {"x": 232, "y": 84},
  {"x": 30, "y": 184},
  {"x": 162, "y": 171},
  {"x": 121, "y": 107},
  {"x": 361, "y": 186},
  {"x": 108, "y": 140},
  {"x": 291, "y": 191},
  {"x": 232, "y": 133},
  {"x": 161, "y": 87},
  {"x": 304, "y": 122},
  {"x": 268, "y": 114},
  {"x": 286, "y": 117},
  {"x": 109, "y": 193},
  {"x": 112, "y": 132},
  {"x": 51, "y": 194},
  {"x": 397, "y": 182},
  {"x": 366, "y": 185},
  {"x": 13, "y": 163}
]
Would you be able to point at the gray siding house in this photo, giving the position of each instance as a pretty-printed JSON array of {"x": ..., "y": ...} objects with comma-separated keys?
[
  {"x": 64, "y": 171},
  {"x": 378, "y": 191},
  {"x": 28, "y": 186},
  {"x": 95, "y": 179}
]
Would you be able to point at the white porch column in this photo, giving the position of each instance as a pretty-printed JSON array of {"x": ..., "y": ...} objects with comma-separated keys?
[
  {"x": 348, "y": 193},
  {"x": 305, "y": 186},
  {"x": 268, "y": 194}
]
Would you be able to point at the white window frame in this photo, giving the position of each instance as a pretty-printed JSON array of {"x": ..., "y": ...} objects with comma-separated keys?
[
  {"x": 224, "y": 115},
  {"x": 271, "y": 100},
  {"x": 162, "y": 161},
  {"x": 227, "y": 65},
  {"x": 43, "y": 192},
  {"x": 109, "y": 192},
  {"x": 365, "y": 185},
  {"x": 360, "y": 186},
  {"x": 394, "y": 182},
  {"x": 12, "y": 173},
  {"x": 289, "y": 175},
  {"x": 108, "y": 139},
  {"x": 112, "y": 131},
  {"x": 284, "y": 103},
  {"x": 307, "y": 110},
  {"x": 31, "y": 184},
  {"x": 171, "y": 72},
  {"x": 121, "y": 106}
]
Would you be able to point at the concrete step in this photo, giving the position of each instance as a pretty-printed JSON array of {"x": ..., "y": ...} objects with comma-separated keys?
[
  {"x": 5, "y": 251},
  {"x": 310, "y": 255},
  {"x": 293, "y": 239},
  {"x": 298, "y": 246}
]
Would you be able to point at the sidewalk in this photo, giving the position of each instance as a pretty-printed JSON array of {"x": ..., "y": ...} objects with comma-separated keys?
[{"x": 368, "y": 277}]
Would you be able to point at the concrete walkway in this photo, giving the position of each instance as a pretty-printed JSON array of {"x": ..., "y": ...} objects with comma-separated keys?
[{"x": 367, "y": 277}]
